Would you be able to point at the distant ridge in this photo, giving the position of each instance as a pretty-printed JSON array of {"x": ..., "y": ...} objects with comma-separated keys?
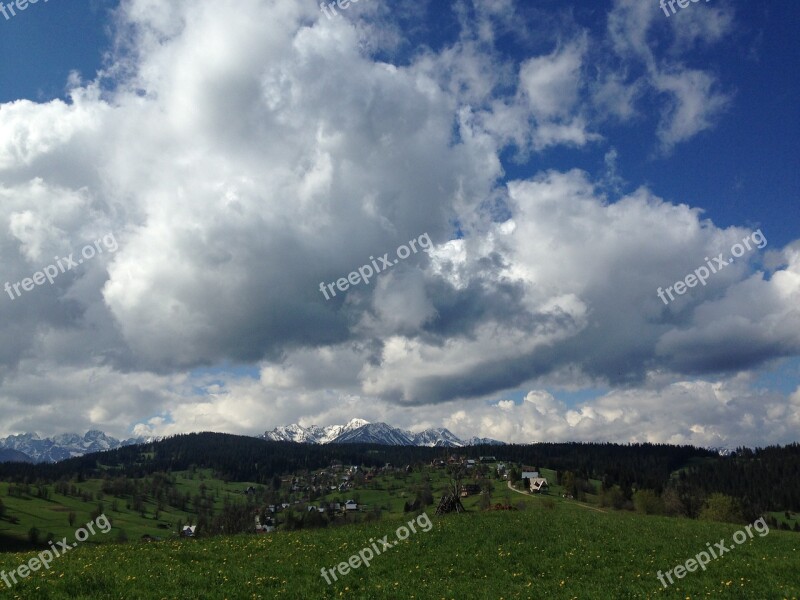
[
  {"x": 29, "y": 447},
  {"x": 9, "y": 455},
  {"x": 60, "y": 447},
  {"x": 359, "y": 431}
]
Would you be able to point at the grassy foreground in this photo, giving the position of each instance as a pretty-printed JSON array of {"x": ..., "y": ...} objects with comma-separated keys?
[{"x": 563, "y": 552}]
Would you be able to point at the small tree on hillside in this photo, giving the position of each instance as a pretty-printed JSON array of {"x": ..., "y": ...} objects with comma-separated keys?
[
  {"x": 648, "y": 502},
  {"x": 673, "y": 506},
  {"x": 719, "y": 507},
  {"x": 612, "y": 497},
  {"x": 451, "y": 500},
  {"x": 568, "y": 481},
  {"x": 456, "y": 473},
  {"x": 33, "y": 535}
]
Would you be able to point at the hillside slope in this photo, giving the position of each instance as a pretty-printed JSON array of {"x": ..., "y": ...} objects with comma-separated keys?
[{"x": 560, "y": 552}]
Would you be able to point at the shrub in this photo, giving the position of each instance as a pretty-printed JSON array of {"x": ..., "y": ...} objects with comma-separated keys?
[
  {"x": 719, "y": 507},
  {"x": 648, "y": 502},
  {"x": 33, "y": 535}
]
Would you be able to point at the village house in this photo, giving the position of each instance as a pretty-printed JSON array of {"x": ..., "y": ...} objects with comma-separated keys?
[
  {"x": 470, "y": 489},
  {"x": 267, "y": 527},
  {"x": 538, "y": 485}
]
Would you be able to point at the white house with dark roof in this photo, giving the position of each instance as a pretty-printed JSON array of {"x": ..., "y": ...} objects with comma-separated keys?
[
  {"x": 538, "y": 484},
  {"x": 188, "y": 530}
]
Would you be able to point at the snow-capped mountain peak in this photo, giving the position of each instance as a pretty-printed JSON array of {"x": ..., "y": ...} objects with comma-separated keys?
[
  {"x": 360, "y": 431},
  {"x": 313, "y": 434},
  {"x": 355, "y": 424},
  {"x": 375, "y": 433},
  {"x": 65, "y": 445},
  {"x": 437, "y": 437},
  {"x": 292, "y": 433}
]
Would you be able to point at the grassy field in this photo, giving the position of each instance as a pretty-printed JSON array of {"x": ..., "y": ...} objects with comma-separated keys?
[
  {"x": 387, "y": 492},
  {"x": 567, "y": 551},
  {"x": 50, "y": 516},
  {"x": 791, "y": 521}
]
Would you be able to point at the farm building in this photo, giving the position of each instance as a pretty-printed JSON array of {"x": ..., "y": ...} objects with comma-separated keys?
[
  {"x": 470, "y": 489},
  {"x": 538, "y": 484}
]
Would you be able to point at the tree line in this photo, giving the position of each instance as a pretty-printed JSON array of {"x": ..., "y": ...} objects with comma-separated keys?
[{"x": 760, "y": 479}]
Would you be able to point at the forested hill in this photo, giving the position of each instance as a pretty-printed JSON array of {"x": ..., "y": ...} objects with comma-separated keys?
[
  {"x": 766, "y": 479},
  {"x": 241, "y": 458}
]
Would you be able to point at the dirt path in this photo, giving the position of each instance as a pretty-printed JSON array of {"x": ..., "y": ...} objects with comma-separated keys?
[
  {"x": 571, "y": 501},
  {"x": 516, "y": 490}
]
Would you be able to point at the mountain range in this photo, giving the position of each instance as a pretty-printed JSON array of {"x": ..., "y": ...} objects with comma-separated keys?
[
  {"x": 29, "y": 447},
  {"x": 359, "y": 431}
]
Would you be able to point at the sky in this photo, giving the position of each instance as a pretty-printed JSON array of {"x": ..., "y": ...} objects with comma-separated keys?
[{"x": 527, "y": 220}]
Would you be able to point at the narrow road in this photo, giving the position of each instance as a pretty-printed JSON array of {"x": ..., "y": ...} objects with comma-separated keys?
[
  {"x": 572, "y": 501},
  {"x": 516, "y": 490}
]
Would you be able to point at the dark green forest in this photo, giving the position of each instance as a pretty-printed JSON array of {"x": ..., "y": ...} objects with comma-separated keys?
[{"x": 761, "y": 479}]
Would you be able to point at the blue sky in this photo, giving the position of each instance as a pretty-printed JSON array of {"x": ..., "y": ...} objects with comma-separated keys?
[
  {"x": 47, "y": 42},
  {"x": 242, "y": 156}
]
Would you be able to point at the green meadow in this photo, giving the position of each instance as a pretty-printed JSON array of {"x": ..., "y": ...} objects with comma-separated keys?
[
  {"x": 551, "y": 549},
  {"x": 50, "y": 516}
]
